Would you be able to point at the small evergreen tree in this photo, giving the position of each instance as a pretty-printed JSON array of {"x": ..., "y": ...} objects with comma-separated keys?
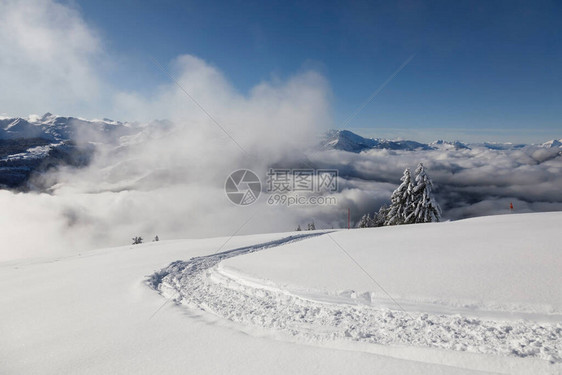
[
  {"x": 365, "y": 221},
  {"x": 299, "y": 228},
  {"x": 401, "y": 200},
  {"x": 380, "y": 217},
  {"x": 311, "y": 226},
  {"x": 424, "y": 207},
  {"x": 137, "y": 240},
  {"x": 377, "y": 219},
  {"x": 156, "y": 239}
]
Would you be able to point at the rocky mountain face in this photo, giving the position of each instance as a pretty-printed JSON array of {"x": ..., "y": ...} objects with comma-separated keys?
[{"x": 36, "y": 144}]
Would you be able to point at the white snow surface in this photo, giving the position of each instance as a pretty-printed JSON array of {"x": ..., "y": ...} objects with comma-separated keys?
[
  {"x": 480, "y": 296},
  {"x": 508, "y": 263}
]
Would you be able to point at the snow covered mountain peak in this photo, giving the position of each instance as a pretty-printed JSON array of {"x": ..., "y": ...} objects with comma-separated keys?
[
  {"x": 553, "y": 143},
  {"x": 60, "y": 128},
  {"x": 346, "y": 140},
  {"x": 47, "y": 116},
  {"x": 446, "y": 145}
]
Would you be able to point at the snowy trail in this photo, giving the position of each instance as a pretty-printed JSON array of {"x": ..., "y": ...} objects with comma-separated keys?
[
  {"x": 197, "y": 265},
  {"x": 91, "y": 313},
  {"x": 202, "y": 283}
]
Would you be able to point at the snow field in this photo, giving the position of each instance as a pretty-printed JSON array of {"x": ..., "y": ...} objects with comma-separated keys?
[
  {"x": 280, "y": 303},
  {"x": 287, "y": 289}
]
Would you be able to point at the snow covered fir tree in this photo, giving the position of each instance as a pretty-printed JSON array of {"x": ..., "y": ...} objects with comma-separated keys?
[
  {"x": 401, "y": 201},
  {"x": 377, "y": 219},
  {"x": 424, "y": 208},
  {"x": 412, "y": 202},
  {"x": 366, "y": 221}
]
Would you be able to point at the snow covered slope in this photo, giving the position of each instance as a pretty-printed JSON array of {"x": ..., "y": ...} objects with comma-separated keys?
[
  {"x": 94, "y": 314},
  {"x": 277, "y": 303},
  {"x": 508, "y": 263},
  {"x": 478, "y": 286}
]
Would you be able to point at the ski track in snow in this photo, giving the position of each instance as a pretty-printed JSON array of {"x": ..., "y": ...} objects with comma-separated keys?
[{"x": 201, "y": 283}]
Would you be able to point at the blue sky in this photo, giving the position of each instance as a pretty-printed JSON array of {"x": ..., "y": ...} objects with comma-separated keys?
[
  {"x": 483, "y": 65},
  {"x": 487, "y": 68}
]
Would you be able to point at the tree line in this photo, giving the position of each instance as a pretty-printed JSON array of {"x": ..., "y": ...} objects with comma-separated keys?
[{"x": 412, "y": 202}]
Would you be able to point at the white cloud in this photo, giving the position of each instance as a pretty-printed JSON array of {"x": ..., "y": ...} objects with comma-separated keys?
[
  {"x": 50, "y": 59},
  {"x": 169, "y": 180},
  {"x": 468, "y": 182}
]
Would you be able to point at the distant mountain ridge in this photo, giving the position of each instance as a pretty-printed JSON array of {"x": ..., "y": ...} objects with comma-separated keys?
[
  {"x": 65, "y": 128},
  {"x": 36, "y": 144},
  {"x": 61, "y": 128},
  {"x": 345, "y": 140},
  {"x": 30, "y": 146}
]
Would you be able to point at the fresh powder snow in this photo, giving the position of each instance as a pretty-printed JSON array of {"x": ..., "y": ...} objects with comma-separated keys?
[{"x": 474, "y": 296}]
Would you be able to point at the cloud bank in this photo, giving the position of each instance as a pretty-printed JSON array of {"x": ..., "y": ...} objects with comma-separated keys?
[
  {"x": 169, "y": 178},
  {"x": 468, "y": 183},
  {"x": 50, "y": 59}
]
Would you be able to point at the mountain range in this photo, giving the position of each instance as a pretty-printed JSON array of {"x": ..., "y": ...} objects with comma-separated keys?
[
  {"x": 346, "y": 140},
  {"x": 37, "y": 143},
  {"x": 59, "y": 128}
]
